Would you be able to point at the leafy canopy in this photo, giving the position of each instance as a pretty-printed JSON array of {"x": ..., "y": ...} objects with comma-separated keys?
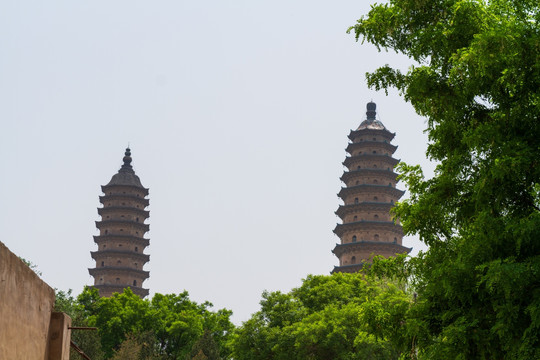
[
  {"x": 341, "y": 316},
  {"x": 475, "y": 76}
]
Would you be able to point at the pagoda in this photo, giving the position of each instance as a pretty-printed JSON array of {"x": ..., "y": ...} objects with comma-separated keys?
[
  {"x": 367, "y": 227},
  {"x": 120, "y": 256}
]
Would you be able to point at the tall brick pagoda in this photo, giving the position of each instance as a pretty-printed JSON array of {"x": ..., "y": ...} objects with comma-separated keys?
[
  {"x": 120, "y": 256},
  {"x": 367, "y": 228}
]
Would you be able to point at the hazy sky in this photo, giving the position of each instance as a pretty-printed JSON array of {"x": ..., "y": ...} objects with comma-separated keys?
[{"x": 237, "y": 113}]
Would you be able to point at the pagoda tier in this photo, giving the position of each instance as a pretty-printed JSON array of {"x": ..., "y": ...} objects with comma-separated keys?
[
  {"x": 354, "y": 255},
  {"x": 128, "y": 271},
  {"x": 377, "y": 161},
  {"x": 351, "y": 176},
  {"x": 368, "y": 229},
  {"x": 367, "y": 133},
  {"x": 370, "y": 189},
  {"x": 135, "y": 184},
  {"x": 102, "y": 241},
  {"x": 113, "y": 210},
  {"x": 120, "y": 256},
  {"x": 370, "y": 206},
  {"x": 123, "y": 200},
  {"x": 374, "y": 226},
  {"x": 385, "y": 147},
  {"x": 122, "y": 224}
]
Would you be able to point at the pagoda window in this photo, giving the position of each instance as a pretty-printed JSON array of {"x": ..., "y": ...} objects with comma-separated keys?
[
  {"x": 356, "y": 200},
  {"x": 389, "y": 184},
  {"x": 374, "y": 139},
  {"x": 136, "y": 232},
  {"x": 121, "y": 215},
  {"x": 135, "y": 265},
  {"x": 118, "y": 262},
  {"x": 354, "y": 238},
  {"x": 117, "y": 280},
  {"x": 353, "y": 260},
  {"x": 101, "y": 280},
  {"x": 355, "y": 218},
  {"x": 106, "y": 232},
  {"x": 124, "y": 192},
  {"x": 107, "y": 216},
  {"x": 374, "y": 166},
  {"x": 123, "y": 203},
  {"x": 137, "y": 219},
  {"x": 395, "y": 240},
  {"x": 119, "y": 245},
  {"x": 103, "y": 263},
  {"x": 104, "y": 246},
  {"x": 134, "y": 282},
  {"x": 359, "y": 167},
  {"x": 376, "y": 216},
  {"x": 357, "y": 182},
  {"x": 375, "y": 181},
  {"x": 375, "y": 198},
  {"x": 376, "y": 237},
  {"x": 374, "y": 151},
  {"x": 136, "y": 249}
]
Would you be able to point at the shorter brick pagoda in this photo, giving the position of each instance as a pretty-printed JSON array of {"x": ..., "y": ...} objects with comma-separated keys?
[{"x": 120, "y": 256}]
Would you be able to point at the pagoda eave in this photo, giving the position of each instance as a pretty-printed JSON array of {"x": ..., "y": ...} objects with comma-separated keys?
[
  {"x": 98, "y": 239},
  {"x": 124, "y": 270},
  {"x": 100, "y": 254},
  {"x": 144, "y": 190},
  {"x": 142, "y": 226},
  {"x": 359, "y": 145},
  {"x": 352, "y": 268},
  {"x": 365, "y": 205},
  {"x": 349, "y": 160},
  {"x": 103, "y": 199},
  {"x": 352, "y": 174},
  {"x": 145, "y": 214},
  {"x": 375, "y": 246},
  {"x": 372, "y": 188},
  {"x": 340, "y": 229},
  {"x": 366, "y": 132}
]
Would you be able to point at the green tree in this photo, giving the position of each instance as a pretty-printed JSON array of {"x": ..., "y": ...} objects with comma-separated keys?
[
  {"x": 342, "y": 316},
  {"x": 164, "y": 327},
  {"x": 205, "y": 348},
  {"x": 475, "y": 76},
  {"x": 87, "y": 340}
]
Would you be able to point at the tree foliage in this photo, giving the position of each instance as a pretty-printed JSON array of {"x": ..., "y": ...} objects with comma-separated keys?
[
  {"x": 342, "y": 317},
  {"x": 475, "y": 76},
  {"x": 164, "y": 327}
]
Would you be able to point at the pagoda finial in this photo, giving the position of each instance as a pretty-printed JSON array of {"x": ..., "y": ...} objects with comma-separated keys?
[
  {"x": 127, "y": 160},
  {"x": 371, "y": 110}
]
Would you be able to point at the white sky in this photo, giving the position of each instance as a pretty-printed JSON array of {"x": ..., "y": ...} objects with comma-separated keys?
[{"x": 237, "y": 113}]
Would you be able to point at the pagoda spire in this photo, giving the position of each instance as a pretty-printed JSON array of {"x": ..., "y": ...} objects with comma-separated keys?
[
  {"x": 371, "y": 112},
  {"x": 126, "y": 167}
]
